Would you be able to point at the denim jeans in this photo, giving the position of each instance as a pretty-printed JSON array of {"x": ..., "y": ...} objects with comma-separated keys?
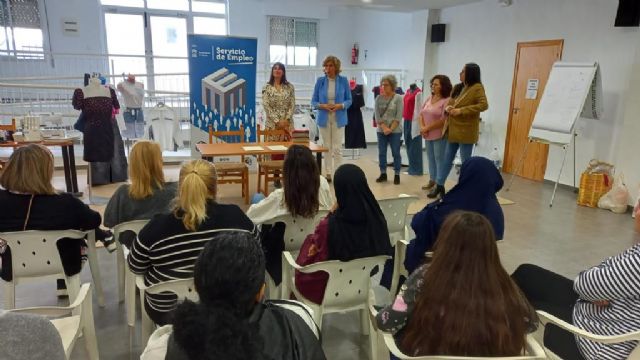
[
  {"x": 393, "y": 140},
  {"x": 449, "y": 155},
  {"x": 414, "y": 149},
  {"x": 134, "y": 122},
  {"x": 435, "y": 154}
]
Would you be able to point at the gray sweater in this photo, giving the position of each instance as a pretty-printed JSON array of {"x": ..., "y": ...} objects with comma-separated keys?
[
  {"x": 122, "y": 208},
  {"x": 387, "y": 110},
  {"x": 20, "y": 332}
]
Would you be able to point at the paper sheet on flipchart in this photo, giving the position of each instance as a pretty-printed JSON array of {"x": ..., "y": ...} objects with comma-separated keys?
[{"x": 572, "y": 90}]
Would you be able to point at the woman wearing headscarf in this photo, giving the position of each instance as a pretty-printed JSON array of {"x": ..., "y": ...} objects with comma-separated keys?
[
  {"x": 476, "y": 191},
  {"x": 355, "y": 229}
]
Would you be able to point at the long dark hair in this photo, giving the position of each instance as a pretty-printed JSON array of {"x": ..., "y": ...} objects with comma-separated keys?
[
  {"x": 283, "y": 81},
  {"x": 228, "y": 275},
  {"x": 471, "y": 74},
  {"x": 457, "y": 89},
  {"x": 467, "y": 292},
  {"x": 301, "y": 182},
  {"x": 445, "y": 85}
]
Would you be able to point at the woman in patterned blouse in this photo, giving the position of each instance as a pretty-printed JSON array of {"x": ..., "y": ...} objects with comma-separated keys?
[{"x": 278, "y": 100}]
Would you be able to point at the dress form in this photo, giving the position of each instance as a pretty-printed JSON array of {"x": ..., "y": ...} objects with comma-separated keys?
[{"x": 95, "y": 89}]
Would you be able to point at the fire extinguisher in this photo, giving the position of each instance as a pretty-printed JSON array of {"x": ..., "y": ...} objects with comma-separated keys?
[{"x": 354, "y": 54}]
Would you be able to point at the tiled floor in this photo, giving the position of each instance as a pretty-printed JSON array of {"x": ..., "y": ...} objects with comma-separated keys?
[{"x": 565, "y": 238}]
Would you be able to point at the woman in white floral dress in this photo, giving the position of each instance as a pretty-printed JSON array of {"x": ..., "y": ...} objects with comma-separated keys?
[{"x": 278, "y": 100}]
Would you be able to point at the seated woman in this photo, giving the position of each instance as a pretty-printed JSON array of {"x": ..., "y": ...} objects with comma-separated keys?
[
  {"x": 167, "y": 247},
  {"x": 148, "y": 193},
  {"x": 463, "y": 291},
  {"x": 355, "y": 229},
  {"x": 303, "y": 194},
  {"x": 29, "y": 202},
  {"x": 231, "y": 321},
  {"x": 603, "y": 300},
  {"x": 476, "y": 191}
]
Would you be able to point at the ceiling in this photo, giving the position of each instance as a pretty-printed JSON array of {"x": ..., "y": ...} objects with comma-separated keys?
[{"x": 388, "y": 5}]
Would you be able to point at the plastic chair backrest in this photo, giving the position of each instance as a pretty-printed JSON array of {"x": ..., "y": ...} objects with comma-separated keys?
[
  {"x": 349, "y": 281},
  {"x": 297, "y": 229},
  {"x": 134, "y": 226},
  {"x": 395, "y": 212},
  {"x": 184, "y": 289},
  {"x": 533, "y": 351},
  {"x": 34, "y": 252}
]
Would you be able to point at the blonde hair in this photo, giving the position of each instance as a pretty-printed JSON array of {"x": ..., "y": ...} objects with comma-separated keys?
[
  {"x": 332, "y": 59},
  {"x": 198, "y": 185},
  {"x": 29, "y": 171},
  {"x": 145, "y": 169}
]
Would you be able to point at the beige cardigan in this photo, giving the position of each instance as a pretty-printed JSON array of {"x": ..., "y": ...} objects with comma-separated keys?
[{"x": 464, "y": 128}]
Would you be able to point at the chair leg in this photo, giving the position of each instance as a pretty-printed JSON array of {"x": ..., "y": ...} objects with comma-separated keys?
[
  {"x": 93, "y": 264},
  {"x": 89, "y": 329},
  {"x": 130, "y": 298},
  {"x": 147, "y": 323},
  {"x": 120, "y": 266},
  {"x": 10, "y": 295},
  {"x": 259, "y": 177}
]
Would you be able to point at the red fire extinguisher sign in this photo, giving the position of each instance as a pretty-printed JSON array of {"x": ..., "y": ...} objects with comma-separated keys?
[{"x": 354, "y": 54}]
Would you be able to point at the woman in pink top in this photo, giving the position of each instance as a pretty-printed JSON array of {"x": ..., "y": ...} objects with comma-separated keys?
[{"x": 432, "y": 120}]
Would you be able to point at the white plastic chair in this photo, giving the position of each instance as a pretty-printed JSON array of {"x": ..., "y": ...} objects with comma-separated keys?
[
  {"x": 296, "y": 231},
  {"x": 348, "y": 287},
  {"x": 72, "y": 327},
  {"x": 184, "y": 289},
  {"x": 34, "y": 255},
  {"x": 546, "y": 318},
  {"x": 395, "y": 212},
  {"x": 400, "y": 253},
  {"x": 123, "y": 271},
  {"x": 533, "y": 350}
]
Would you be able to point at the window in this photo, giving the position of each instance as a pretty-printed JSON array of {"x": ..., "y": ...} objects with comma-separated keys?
[
  {"x": 292, "y": 41},
  {"x": 20, "y": 30}
]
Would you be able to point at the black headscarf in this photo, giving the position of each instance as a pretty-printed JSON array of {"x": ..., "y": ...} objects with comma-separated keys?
[{"x": 357, "y": 229}]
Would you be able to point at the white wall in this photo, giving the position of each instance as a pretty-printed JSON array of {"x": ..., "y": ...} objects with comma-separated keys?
[{"x": 488, "y": 35}]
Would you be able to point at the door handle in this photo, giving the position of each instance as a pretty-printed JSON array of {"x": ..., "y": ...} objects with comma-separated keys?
[{"x": 515, "y": 110}]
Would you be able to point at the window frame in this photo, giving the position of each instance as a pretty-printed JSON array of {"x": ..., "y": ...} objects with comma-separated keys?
[
  {"x": 312, "y": 63},
  {"x": 12, "y": 54}
]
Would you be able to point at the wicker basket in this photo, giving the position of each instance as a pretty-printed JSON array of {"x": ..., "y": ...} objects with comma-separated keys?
[{"x": 592, "y": 188}]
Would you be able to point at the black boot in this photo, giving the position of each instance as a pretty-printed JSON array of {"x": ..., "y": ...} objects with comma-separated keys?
[
  {"x": 396, "y": 179},
  {"x": 436, "y": 192},
  {"x": 382, "y": 178}
]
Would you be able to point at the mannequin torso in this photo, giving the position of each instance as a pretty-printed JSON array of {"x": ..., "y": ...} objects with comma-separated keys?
[{"x": 95, "y": 89}]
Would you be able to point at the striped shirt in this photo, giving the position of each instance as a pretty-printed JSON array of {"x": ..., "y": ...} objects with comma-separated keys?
[
  {"x": 617, "y": 280},
  {"x": 165, "y": 250}
]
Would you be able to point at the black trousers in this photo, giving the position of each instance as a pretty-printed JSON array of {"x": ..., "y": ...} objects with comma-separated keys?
[{"x": 552, "y": 293}]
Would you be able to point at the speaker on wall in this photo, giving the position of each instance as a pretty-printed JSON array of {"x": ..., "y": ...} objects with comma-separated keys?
[
  {"x": 437, "y": 33},
  {"x": 628, "y": 13}
]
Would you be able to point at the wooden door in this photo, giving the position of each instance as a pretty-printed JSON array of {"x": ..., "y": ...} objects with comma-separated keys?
[{"x": 533, "y": 62}]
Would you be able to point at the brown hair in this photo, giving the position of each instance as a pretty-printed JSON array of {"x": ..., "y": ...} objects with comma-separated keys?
[
  {"x": 445, "y": 85},
  {"x": 301, "y": 182},
  {"x": 332, "y": 59},
  {"x": 468, "y": 305},
  {"x": 196, "y": 187},
  {"x": 145, "y": 169},
  {"x": 29, "y": 171}
]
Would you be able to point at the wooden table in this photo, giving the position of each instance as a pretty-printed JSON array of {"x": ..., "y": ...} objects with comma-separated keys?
[
  {"x": 234, "y": 149},
  {"x": 68, "y": 159}
]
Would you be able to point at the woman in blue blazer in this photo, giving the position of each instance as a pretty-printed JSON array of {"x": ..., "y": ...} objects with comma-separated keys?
[{"x": 331, "y": 98}]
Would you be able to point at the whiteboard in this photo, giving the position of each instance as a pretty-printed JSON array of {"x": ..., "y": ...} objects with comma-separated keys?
[{"x": 563, "y": 100}]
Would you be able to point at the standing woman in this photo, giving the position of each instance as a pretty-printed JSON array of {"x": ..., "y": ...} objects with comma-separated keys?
[
  {"x": 432, "y": 119},
  {"x": 464, "y": 120},
  {"x": 332, "y": 98},
  {"x": 388, "y": 112},
  {"x": 278, "y": 100}
]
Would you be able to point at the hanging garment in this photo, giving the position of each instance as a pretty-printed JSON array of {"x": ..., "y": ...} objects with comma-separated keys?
[
  {"x": 354, "y": 131},
  {"x": 113, "y": 171},
  {"x": 98, "y": 131},
  {"x": 164, "y": 126}
]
